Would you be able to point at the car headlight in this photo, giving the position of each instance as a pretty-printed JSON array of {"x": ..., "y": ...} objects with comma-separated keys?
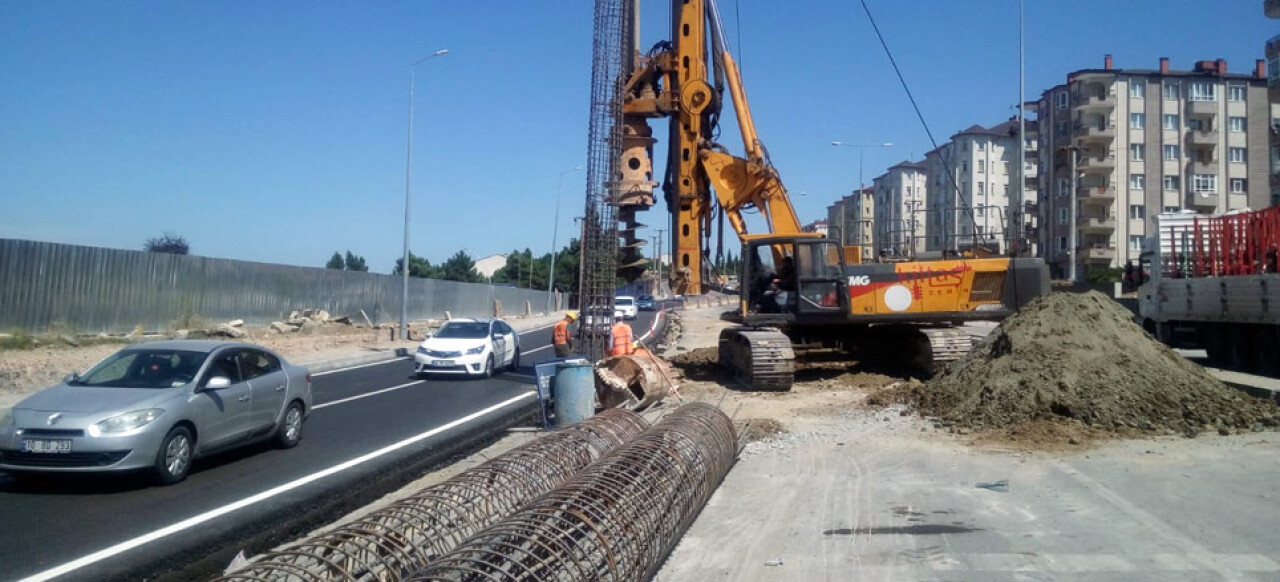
[
  {"x": 125, "y": 422},
  {"x": 475, "y": 350},
  {"x": 422, "y": 350}
]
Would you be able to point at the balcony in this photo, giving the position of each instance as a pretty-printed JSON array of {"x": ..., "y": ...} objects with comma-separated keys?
[
  {"x": 1096, "y": 163},
  {"x": 1203, "y": 201},
  {"x": 1096, "y": 193},
  {"x": 1095, "y": 225},
  {"x": 1202, "y": 138},
  {"x": 1202, "y": 108},
  {"x": 1098, "y": 254},
  {"x": 1089, "y": 131},
  {"x": 1094, "y": 101},
  {"x": 1204, "y": 165}
]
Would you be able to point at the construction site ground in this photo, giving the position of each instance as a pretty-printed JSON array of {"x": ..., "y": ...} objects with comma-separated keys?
[{"x": 835, "y": 488}]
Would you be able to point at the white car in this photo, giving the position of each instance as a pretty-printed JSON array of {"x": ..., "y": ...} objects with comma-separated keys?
[
  {"x": 471, "y": 347},
  {"x": 626, "y": 306}
]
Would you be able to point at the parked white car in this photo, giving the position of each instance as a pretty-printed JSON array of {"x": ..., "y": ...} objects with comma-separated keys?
[
  {"x": 472, "y": 347},
  {"x": 626, "y": 306}
]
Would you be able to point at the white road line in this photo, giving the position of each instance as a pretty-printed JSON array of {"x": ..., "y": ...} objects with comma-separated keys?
[
  {"x": 365, "y": 395},
  {"x": 379, "y": 363},
  {"x": 535, "y": 350},
  {"x": 225, "y": 509}
]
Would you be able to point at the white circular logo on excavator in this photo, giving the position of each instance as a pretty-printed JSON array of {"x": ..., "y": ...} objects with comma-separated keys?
[{"x": 897, "y": 298}]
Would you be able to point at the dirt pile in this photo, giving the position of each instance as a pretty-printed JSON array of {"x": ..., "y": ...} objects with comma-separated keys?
[
  {"x": 699, "y": 364},
  {"x": 1081, "y": 358}
]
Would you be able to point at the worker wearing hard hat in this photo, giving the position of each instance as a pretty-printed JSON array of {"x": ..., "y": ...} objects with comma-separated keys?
[
  {"x": 560, "y": 335},
  {"x": 623, "y": 343}
]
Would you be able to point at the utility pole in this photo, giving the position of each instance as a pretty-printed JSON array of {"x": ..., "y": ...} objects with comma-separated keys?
[
  {"x": 408, "y": 175},
  {"x": 657, "y": 255},
  {"x": 1022, "y": 140}
]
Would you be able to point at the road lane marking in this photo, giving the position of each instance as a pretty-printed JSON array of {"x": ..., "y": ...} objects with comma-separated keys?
[
  {"x": 379, "y": 363},
  {"x": 366, "y": 395},
  {"x": 535, "y": 350},
  {"x": 263, "y": 496}
]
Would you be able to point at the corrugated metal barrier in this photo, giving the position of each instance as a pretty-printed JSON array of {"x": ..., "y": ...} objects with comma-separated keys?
[{"x": 92, "y": 289}]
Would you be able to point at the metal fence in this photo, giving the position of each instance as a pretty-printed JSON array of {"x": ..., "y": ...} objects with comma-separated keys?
[{"x": 92, "y": 289}]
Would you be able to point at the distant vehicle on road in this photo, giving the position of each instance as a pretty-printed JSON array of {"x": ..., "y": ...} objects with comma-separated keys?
[
  {"x": 645, "y": 303},
  {"x": 157, "y": 406},
  {"x": 626, "y": 306},
  {"x": 472, "y": 347}
]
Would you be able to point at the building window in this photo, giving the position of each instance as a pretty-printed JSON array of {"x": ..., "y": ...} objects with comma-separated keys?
[
  {"x": 1062, "y": 100},
  {"x": 1204, "y": 183},
  {"x": 982, "y": 166},
  {"x": 978, "y": 211},
  {"x": 1171, "y": 151},
  {"x": 1004, "y": 167},
  {"x": 982, "y": 188},
  {"x": 1237, "y": 185},
  {"x": 1202, "y": 91},
  {"x": 1137, "y": 212},
  {"x": 1172, "y": 183},
  {"x": 1136, "y": 152},
  {"x": 1062, "y": 128},
  {"x": 1062, "y": 216},
  {"x": 1137, "y": 182},
  {"x": 1236, "y": 124},
  {"x": 1135, "y": 242},
  {"x": 1171, "y": 90},
  {"x": 1170, "y": 209},
  {"x": 1137, "y": 120},
  {"x": 1137, "y": 87},
  {"x": 1171, "y": 122},
  {"x": 982, "y": 145},
  {"x": 1236, "y": 155},
  {"x": 1235, "y": 92},
  {"x": 1062, "y": 243}
]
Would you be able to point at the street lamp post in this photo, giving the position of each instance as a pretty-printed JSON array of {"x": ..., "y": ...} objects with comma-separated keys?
[
  {"x": 408, "y": 174},
  {"x": 862, "y": 147},
  {"x": 555, "y": 226}
]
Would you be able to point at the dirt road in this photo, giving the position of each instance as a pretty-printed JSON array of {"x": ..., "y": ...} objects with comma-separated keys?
[{"x": 854, "y": 492}]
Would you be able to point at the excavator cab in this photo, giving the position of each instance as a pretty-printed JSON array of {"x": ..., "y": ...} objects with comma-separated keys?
[{"x": 783, "y": 278}]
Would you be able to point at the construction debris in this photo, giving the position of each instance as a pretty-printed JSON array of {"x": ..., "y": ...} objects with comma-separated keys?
[
  {"x": 636, "y": 381},
  {"x": 409, "y": 534},
  {"x": 1081, "y": 358}
]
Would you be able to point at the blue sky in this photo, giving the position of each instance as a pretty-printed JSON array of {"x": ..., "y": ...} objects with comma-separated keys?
[{"x": 275, "y": 131}]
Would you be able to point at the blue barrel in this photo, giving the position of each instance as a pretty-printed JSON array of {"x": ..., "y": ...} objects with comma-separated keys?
[{"x": 575, "y": 392}]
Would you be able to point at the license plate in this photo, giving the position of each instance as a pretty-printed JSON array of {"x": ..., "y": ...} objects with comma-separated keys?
[
  {"x": 46, "y": 445},
  {"x": 440, "y": 363}
]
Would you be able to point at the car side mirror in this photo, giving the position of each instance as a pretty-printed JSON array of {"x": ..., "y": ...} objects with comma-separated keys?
[
  {"x": 71, "y": 377},
  {"x": 217, "y": 382}
]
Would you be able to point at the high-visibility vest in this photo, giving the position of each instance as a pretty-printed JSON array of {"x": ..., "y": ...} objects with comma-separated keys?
[
  {"x": 560, "y": 333},
  {"x": 621, "y": 339}
]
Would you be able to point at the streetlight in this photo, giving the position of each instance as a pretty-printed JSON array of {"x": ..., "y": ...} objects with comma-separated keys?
[
  {"x": 861, "y": 184},
  {"x": 555, "y": 226},
  {"x": 408, "y": 166}
]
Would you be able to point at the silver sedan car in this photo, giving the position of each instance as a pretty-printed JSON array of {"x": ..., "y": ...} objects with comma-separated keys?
[{"x": 157, "y": 406}]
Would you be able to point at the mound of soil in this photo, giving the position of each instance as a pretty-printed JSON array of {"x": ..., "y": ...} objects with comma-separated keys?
[
  {"x": 1080, "y": 357},
  {"x": 758, "y": 429},
  {"x": 698, "y": 363}
]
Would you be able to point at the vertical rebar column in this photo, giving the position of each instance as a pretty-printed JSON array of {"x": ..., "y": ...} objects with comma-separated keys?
[{"x": 610, "y": 38}]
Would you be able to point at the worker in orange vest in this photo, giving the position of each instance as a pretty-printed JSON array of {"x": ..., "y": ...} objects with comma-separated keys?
[
  {"x": 560, "y": 335},
  {"x": 623, "y": 344}
]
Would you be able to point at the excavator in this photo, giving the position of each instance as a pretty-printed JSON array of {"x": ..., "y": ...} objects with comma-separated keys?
[{"x": 798, "y": 289}]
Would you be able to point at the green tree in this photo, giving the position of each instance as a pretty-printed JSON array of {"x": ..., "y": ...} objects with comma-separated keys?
[
  {"x": 353, "y": 262},
  {"x": 418, "y": 267},
  {"x": 169, "y": 243},
  {"x": 335, "y": 262},
  {"x": 460, "y": 267}
]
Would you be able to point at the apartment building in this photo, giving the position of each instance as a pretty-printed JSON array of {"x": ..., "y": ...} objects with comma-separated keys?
[
  {"x": 818, "y": 226},
  {"x": 972, "y": 183},
  {"x": 852, "y": 215},
  {"x": 1272, "y": 52},
  {"x": 1128, "y": 144},
  {"x": 900, "y": 195}
]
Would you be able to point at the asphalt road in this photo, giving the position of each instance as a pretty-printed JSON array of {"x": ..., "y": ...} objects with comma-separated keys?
[{"x": 373, "y": 428}]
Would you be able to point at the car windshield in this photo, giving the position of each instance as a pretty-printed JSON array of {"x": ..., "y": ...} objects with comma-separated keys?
[
  {"x": 463, "y": 330},
  {"x": 144, "y": 369},
  {"x": 646, "y": 297},
  {"x": 623, "y": 301}
]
